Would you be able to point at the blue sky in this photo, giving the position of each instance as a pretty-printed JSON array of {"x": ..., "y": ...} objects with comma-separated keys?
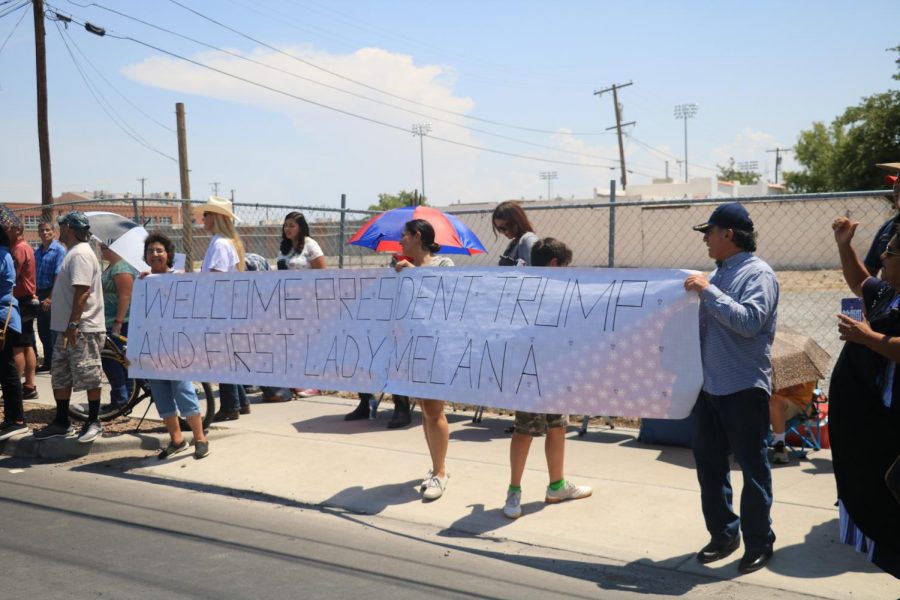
[{"x": 760, "y": 72}]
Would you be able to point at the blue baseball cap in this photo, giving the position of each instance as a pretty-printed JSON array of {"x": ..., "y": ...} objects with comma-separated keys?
[
  {"x": 728, "y": 216},
  {"x": 75, "y": 219}
]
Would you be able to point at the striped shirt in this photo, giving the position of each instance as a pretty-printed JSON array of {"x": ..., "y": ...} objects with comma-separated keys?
[{"x": 738, "y": 312}]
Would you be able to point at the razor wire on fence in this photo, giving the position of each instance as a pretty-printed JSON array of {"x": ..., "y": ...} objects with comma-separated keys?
[{"x": 794, "y": 237}]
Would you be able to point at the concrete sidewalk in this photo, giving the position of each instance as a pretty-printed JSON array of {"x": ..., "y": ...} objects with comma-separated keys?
[{"x": 645, "y": 508}]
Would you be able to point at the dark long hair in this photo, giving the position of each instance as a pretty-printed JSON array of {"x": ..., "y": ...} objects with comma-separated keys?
[
  {"x": 4, "y": 239},
  {"x": 288, "y": 245},
  {"x": 157, "y": 237},
  {"x": 517, "y": 221},
  {"x": 424, "y": 228}
]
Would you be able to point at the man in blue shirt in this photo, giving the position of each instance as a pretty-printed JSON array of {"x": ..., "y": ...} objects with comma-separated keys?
[
  {"x": 738, "y": 310},
  {"x": 48, "y": 258}
]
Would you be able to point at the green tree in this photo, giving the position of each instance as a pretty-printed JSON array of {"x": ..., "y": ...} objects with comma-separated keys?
[
  {"x": 389, "y": 201},
  {"x": 729, "y": 173},
  {"x": 842, "y": 156}
]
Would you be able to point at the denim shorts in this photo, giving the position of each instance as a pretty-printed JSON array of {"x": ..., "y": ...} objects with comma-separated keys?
[
  {"x": 537, "y": 424},
  {"x": 174, "y": 397}
]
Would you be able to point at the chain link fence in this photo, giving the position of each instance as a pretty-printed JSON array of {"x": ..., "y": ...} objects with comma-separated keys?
[{"x": 794, "y": 237}]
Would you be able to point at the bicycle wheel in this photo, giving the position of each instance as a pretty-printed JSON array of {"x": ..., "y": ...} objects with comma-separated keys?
[
  {"x": 207, "y": 406},
  {"x": 135, "y": 392}
]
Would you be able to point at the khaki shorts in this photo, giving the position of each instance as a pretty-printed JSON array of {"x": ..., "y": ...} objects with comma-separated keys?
[
  {"x": 537, "y": 424},
  {"x": 77, "y": 367}
]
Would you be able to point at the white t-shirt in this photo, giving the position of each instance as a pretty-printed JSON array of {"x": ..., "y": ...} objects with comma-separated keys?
[
  {"x": 300, "y": 260},
  {"x": 220, "y": 256},
  {"x": 79, "y": 267}
]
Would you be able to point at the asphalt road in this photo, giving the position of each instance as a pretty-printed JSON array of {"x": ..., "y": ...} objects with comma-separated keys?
[{"x": 86, "y": 530}]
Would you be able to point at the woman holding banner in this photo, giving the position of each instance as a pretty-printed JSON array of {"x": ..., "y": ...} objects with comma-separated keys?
[
  {"x": 298, "y": 251},
  {"x": 510, "y": 220},
  {"x": 225, "y": 254},
  {"x": 419, "y": 248},
  {"x": 173, "y": 397}
]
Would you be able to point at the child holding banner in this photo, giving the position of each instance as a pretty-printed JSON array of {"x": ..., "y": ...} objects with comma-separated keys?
[
  {"x": 418, "y": 246},
  {"x": 547, "y": 252}
]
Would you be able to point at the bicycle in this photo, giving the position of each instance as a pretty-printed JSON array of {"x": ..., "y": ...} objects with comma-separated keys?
[{"x": 138, "y": 390}]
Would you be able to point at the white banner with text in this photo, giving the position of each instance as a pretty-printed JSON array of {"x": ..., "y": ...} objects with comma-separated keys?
[{"x": 619, "y": 342}]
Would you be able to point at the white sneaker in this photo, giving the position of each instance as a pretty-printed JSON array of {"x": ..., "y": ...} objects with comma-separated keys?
[
  {"x": 435, "y": 487},
  {"x": 780, "y": 454},
  {"x": 513, "y": 508},
  {"x": 89, "y": 432},
  {"x": 569, "y": 491},
  {"x": 425, "y": 480}
]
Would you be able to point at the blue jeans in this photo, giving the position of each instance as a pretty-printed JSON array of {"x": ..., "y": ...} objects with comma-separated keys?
[
  {"x": 737, "y": 422},
  {"x": 117, "y": 375},
  {"x": 231, "y": 396},
  {"x": 174, "y": 397}
]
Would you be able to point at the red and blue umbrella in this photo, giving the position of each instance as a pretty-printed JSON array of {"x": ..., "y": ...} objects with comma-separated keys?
[{"x": 382, "y": 232}]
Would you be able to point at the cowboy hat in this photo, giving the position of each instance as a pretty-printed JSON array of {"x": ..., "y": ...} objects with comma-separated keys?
[
  {"x": 892, "y": 167},
  {"x": 216, "y": 204}
]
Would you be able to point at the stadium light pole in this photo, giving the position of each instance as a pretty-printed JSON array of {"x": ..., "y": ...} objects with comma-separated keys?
[
  {"x": 421, "y": 130},
  {"x": 548, "y": 176},
  {"x": 685, "y": 111}
]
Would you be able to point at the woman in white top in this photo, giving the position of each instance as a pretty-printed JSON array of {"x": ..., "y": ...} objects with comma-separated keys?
[
  {"x": 298, "y": 251},
  {"x": 225, "y": 254},
  {"x": 418, "y": 246}
]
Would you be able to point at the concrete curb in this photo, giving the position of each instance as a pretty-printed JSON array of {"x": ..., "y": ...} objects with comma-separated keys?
[
  {"x": 61, "y": 448},
  {"x": 69, "y": 448}
]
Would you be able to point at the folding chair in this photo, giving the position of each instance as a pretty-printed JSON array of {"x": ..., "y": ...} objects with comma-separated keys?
[{"x": 807, "y": 426}]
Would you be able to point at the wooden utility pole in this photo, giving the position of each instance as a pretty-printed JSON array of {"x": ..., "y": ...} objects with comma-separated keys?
[
  {"x": 619, "y": 125},
  {"x": 778, "y": 152},
  {"x": 187, "y": 213},
  {"x": 40, "y": 60}
]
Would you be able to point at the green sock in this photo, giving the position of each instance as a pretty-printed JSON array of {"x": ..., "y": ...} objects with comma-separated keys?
[
  {"x": 515, "y": 488},
  {"x": 557, "y": 485}
]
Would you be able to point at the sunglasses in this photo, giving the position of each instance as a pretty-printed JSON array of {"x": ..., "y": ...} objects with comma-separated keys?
[{"x": 891, "y": 251}]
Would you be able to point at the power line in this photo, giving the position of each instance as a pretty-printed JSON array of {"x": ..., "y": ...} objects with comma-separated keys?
[
  {"x": 10, "y": 11},
  {"x": 354, "y": 81},
  {"x": 338, "y": 110},
  {"x": 666, "y": 154},
  {"x": 117, "y": 120},
  {"x": 341, "y": 90},
  {"x": 116, "y": 90},
  {"x": 16, "y": 26}
]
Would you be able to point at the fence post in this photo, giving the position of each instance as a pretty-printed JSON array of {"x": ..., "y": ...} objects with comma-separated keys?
[
  {"x": 137, "y": 217},
  {"x": 612, "y": 223},
  {"x": 343, "y": 226}
]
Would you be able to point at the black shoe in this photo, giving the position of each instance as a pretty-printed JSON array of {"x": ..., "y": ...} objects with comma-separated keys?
[
  {"x": 29, "y": 393},
  {"x": 245, "y": 409},
  {"x": 754, "y": 561},
  {"x": 42, "y": 369},
  {"x": 714, "y": 550},
  {"x": 401, "y": 416},
  {"x": 10, "y": 429},
  {"x": 360, "y": 412},
  {"x": 226, "y": 415}
]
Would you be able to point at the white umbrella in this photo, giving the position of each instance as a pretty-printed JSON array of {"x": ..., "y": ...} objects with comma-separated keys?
[{"x": 122, "y": 235}]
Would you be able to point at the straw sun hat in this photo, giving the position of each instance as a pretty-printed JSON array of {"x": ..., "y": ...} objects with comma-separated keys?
[{"x": 216, "y": 204}]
